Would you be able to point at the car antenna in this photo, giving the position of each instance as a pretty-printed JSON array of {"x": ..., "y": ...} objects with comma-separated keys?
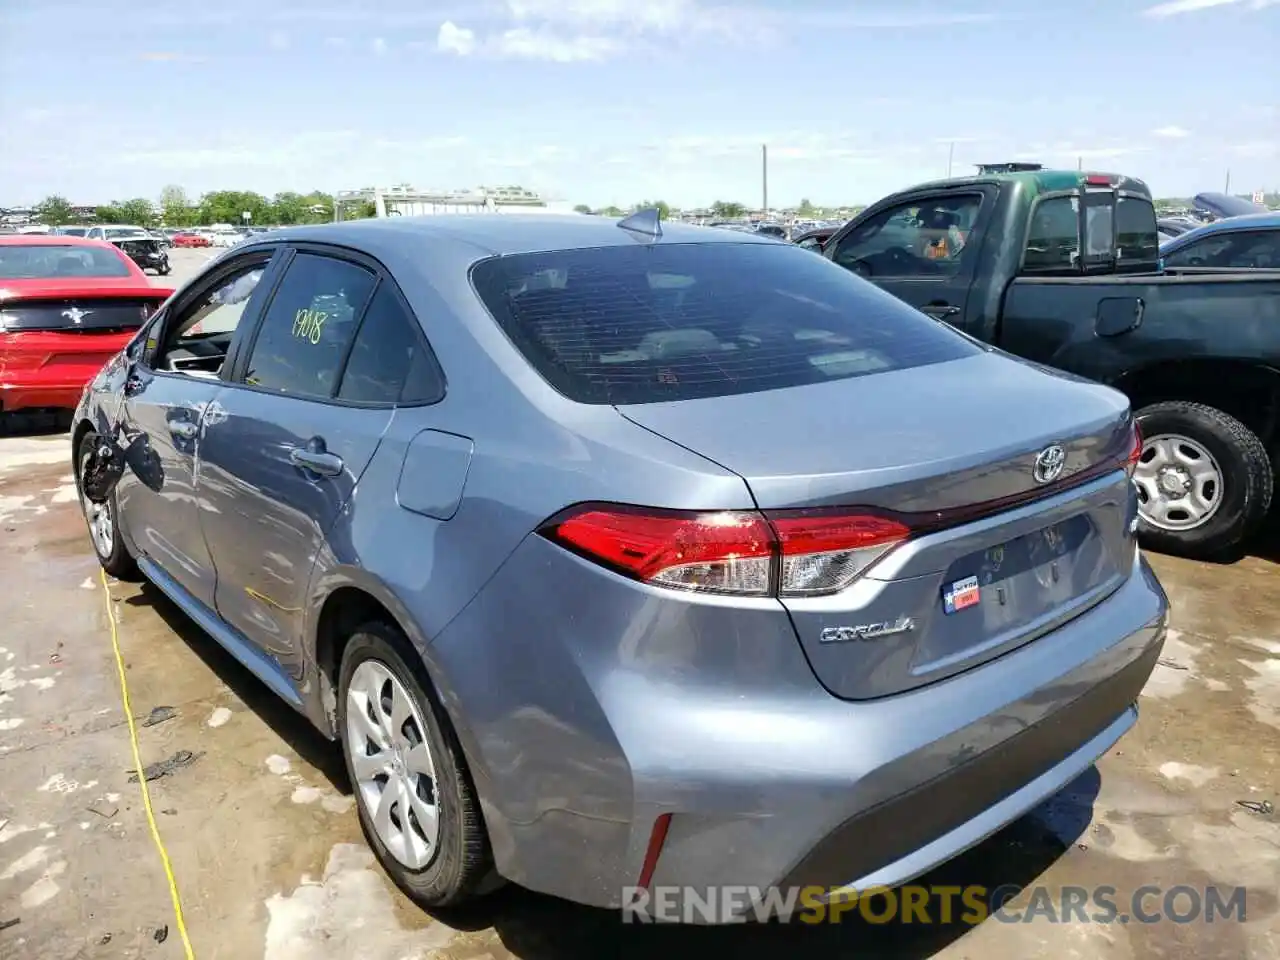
[{"x": 646, "y": 222}]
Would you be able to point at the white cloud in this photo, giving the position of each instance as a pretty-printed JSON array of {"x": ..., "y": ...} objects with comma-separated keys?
[
  {"x": 543, "y": 44},
  {"x": 455, "y": 39},
  {"x": 1171, "y": 132},
  {"x": 278, "y": 41},
  {"x": 657, "y": 15},
  {"x": 379, "y": 46},
  {"x": 338, "y": 43},
  {"x": 1173, "y": 8}
]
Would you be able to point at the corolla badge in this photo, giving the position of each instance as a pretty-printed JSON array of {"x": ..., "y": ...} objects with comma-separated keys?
[
  {"x": 1049, "y": 464},
  {"x": 75, "y": 314},
  {"x": 867, "y": 631}
]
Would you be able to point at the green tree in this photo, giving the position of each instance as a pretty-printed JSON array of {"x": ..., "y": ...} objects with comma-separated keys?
[
  {"x": 582, "y": 208},
  {"x": 229, "y": 206},
  {"x": 289, "y": 208},
  {"x": 54, "y": 211},
  {"x": 175, "y": 207},
  {"x": 610, "y": 211},
  {"x": 806, "y": 209},
  {"x": 135, "y": 212},
  {"x": 363, "y": 210},
  {"x": 319, "y": 207},
  {"x": 728, "y": 210}
]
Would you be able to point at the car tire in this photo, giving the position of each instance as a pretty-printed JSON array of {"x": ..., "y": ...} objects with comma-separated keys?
[
  {"x": 1221, "y": 444},
  {"x": 104, "y": 523},
  {"x": 163, "y": 271},
  {"x": 459, "y": 865}
]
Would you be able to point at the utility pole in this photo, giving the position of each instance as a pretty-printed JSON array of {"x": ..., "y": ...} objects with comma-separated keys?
[
  {"x": 1227, "y": 187},
  {"x": 764, "y": 176},
  {"x": 1079, "y": 163},
  {"x": 951, "y": 156}
]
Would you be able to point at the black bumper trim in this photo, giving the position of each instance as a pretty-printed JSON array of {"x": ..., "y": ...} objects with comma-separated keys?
[{"x": 890, "y": 831}]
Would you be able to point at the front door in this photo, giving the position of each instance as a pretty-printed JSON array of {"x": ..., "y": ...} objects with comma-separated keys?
[
  {"x": 157, "y": 495},
  {"x": 281, "y": 453},
  {"x": 175, "y": 383},
  {"x": 921, "y": 250}
]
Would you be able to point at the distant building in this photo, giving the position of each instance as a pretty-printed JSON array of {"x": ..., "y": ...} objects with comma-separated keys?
[{"x": 404, "y": 200}]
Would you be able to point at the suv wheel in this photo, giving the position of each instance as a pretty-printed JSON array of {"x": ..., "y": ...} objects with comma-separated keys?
[
  {"x": 104, "y": 522},
  {"x": 1204, "y": 479},
  {"x": 417, "y": 806}
]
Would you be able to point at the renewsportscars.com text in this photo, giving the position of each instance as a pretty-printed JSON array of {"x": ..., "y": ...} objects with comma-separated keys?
[{"x": 916, "y": 904}]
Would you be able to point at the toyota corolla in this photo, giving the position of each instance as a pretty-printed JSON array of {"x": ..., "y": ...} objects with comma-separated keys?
[{"x": 625, "y": 554}]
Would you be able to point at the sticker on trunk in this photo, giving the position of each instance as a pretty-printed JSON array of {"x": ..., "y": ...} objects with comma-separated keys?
[{"x": 961, "y": 594}]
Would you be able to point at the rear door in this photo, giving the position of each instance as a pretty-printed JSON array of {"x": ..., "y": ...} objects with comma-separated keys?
[
  {"x": 282, "y": 450},
  {"x": 923, "y": 248}
]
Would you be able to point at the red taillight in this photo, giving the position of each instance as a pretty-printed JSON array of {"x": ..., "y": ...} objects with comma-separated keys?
[
  {"x": 718, "y": 552},
  {"x": 789, "y": 553},
  {"x": 1099, "y": 180},
  {"x": 1135, "y": 450},
  {"x": 823, "y": 552}
]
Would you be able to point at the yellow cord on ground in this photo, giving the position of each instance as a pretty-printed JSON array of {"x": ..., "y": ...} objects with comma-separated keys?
[{"x": 179, "y": 922}]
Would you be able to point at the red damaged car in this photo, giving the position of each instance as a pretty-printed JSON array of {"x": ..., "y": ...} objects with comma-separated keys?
[{"x": 67, "y": 305}]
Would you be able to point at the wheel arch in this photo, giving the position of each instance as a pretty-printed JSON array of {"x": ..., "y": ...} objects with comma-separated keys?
[
  {"x": 344, "y": 598},
  {"x": 1248, "y": 390}
]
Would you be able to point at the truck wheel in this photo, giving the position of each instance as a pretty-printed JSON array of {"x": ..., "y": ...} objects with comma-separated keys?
[{"x": 1204, "y": 479}]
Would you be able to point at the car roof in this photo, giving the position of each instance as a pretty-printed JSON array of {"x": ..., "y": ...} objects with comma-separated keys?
[
  {"x": 498, "y": 234},
  {"x": 50, "y": 240}
]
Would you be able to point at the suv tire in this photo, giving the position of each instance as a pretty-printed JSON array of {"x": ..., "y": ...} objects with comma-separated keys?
[{"x": 1239, "y": 459}]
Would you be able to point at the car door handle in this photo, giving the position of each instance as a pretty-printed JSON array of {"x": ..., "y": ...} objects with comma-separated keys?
[
  {"x": 325, "y": 464},
  {"x": 183, "y": 429},
  {"x": 940, "y": 310}
]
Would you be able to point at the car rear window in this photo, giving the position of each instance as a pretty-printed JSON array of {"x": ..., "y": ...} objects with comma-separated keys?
[
  {"x": 36, "y": 262},
  {"x": 659, "y": 322}
]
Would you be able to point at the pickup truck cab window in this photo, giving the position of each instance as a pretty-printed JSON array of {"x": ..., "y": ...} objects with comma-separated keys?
[
  {"x": 1053, "y": 241},
  {"x": 923, "y": 237},
  {"x": 1137, "y": 236}
]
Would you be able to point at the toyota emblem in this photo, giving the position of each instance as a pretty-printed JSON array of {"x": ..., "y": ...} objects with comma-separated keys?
[{"x": 1049, "y": 464}]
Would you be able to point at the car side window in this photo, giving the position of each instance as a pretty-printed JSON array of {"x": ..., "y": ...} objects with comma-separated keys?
[
  {"x": 920, "y": 238},
  {"x": 389, "y": 362},
  {"x": 305, "y": 333},
  {"x": 1053, "y": 241},
  {"x": 1236, "y": 250},
  {"x": 197, "y": 340}
]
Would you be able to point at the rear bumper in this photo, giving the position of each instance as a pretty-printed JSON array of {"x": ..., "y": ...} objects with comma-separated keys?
[
  {"x": 18, "y": 394},
  {"x": 615, "y": 704}
]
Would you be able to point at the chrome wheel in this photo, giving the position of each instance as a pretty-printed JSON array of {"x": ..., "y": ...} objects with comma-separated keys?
[
  {"x": 1179, "y": 483},
  {"x": 99, "y": 517},
  {"x": 392, "y": 765}
]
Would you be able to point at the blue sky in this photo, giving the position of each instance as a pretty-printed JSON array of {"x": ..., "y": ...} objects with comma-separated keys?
[{"x": 614, "y": 101}]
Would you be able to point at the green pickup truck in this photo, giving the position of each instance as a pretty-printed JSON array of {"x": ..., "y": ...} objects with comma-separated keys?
[{"x": 1063, "y": 268}]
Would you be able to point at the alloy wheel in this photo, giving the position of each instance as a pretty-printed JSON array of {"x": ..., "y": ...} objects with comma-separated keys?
[{"x": 391, "y": 764}]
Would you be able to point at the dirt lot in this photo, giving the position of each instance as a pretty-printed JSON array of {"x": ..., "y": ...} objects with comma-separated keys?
[{"x": 269, "y": 861}]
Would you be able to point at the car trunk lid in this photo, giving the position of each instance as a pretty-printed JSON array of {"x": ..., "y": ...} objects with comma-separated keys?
[
  {"x": 996, "y": 557},
  {"x": 66, "y": 339}
]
